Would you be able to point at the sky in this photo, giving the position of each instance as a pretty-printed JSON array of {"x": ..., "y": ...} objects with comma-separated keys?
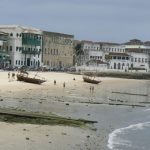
[{"x": 95, "y": 20}]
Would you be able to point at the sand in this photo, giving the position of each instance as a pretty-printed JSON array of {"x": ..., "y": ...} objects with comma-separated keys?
[{"x": 50, "y": 98}]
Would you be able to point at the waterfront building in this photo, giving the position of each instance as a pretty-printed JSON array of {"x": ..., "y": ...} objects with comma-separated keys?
[
  {"x": 116, "y": 57},
  {"x": 4, "y": 56},
  {"x": 90, "y": 53},
  {"x": 57, "y": 50},
  {"x": 140, "y": 55},
  {"x": 24, "y": 45}
]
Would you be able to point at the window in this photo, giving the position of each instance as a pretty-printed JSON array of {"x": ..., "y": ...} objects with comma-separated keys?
[
  {"x": 127, "y": 58},
  {"x": 135, "y": 59},
  {"x": 139, "y": 60},
  {"x": 19, "y": 62},
  {"x": 16, "y": 62},
  {"x": 10, "y": 48},
  {"x": 146, "y": 60},
  {"x": 114, "y": 57},
  {"x": 16, "y": 48}
]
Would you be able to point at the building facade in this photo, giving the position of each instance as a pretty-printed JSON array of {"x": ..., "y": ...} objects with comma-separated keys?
[
  {"x": 4, "y": 56},
  {"x": 24, "y": 45},
  {"x": 91, "y": 53},
  {"x": 57, "y": 50}
]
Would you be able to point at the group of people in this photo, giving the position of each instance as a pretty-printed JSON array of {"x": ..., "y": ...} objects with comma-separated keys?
[
  {"x": 91, "y": 89},
  {"x": 11, "y": 76},
  {"x": 64, "y": 84}
]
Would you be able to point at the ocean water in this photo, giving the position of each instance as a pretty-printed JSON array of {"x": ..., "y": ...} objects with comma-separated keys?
[{"x": 135, "y": 136}]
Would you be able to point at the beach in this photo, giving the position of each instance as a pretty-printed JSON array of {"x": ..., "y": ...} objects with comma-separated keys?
[{"x": 114, "y": 103}]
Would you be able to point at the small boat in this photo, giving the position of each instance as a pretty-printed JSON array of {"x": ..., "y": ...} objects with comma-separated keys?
[
  {"x": 90, "y": 80},
  {"x": 23, "y": 77}
]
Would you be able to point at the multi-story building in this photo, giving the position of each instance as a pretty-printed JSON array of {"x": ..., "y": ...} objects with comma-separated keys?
[
  {"x": 57, "y": 50},
  {"x": 139, "y": 53},
  {"x": 4, "y": 56},
  {"x": 90, "y": 53},
  {"x": 116, "y": 57},
  {"x": 24, "y": 45}
]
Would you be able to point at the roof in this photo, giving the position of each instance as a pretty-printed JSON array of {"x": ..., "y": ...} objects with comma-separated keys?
[
  {"x": 58, "y": 34},
  {"x": 25, "y": 29}
]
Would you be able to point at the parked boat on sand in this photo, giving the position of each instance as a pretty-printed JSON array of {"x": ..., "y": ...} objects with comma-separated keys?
[
  {"x": 24, "y": 77},
  {"x": 91, "y": 80}
]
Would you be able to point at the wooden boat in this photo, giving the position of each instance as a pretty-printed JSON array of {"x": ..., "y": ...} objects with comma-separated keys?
[
  {"x": 23, "y": 77},
  {"x": 90, "y": 80}
]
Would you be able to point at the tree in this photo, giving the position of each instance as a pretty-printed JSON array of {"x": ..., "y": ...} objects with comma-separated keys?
[{"x": 78, "y": 50}]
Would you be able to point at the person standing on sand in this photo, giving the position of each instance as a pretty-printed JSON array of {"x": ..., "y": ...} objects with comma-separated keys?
[
  {"x": 54, "y": 82},
  {"x": 8, "y": 75},
  {"x": 64, "y": 84}
]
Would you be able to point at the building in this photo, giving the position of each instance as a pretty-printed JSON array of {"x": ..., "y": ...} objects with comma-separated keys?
[
  {"x": 24, "y": 45},
  {"x": 4, "y": 56},
  {"x": 57, "y": 50},
  {"x": 116, "y": 57},
  {"x": 140, "y": 55},
  {"x": 90, "y": 53}
]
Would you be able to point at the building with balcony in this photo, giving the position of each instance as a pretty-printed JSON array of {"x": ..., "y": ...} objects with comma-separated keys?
[
  {"x": 57, "y": 50},
  {"x": 4, "y": 56},
  {"x": 24, "y": 45}
]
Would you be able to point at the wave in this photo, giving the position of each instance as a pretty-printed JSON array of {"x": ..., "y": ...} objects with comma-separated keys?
[{"x": 114, "y": 139}]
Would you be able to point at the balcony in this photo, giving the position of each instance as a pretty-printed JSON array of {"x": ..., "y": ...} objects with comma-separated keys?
[{"x": 33, "y": 52}]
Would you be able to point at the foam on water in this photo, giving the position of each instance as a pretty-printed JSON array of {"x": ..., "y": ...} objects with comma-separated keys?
[{"x": 114, "y": 139}]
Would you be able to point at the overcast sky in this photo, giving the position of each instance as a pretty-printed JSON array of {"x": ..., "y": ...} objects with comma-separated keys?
[{"x": 97, "y": 20}]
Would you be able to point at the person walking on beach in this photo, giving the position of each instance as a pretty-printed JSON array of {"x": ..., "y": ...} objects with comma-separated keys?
[
  {"x": 64, "y": 84},
  {"x": 13, "y": 76},
  {"x": 92, "y": 89},
  {"x": 54, "y": 82},
  {"x": 8, "y": 75}
]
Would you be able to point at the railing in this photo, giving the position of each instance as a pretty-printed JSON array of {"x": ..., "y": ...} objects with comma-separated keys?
[{"x": 31, "y": 52}]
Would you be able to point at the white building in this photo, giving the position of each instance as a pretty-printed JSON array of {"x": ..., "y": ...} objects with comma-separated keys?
[
  {"x": 92, "y": 53},
  {"x": 24, "y": 45},
  {"x": 116, "y": 57}
]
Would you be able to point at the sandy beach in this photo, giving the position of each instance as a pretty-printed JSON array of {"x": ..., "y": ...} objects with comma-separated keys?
[{"x": 75, "y": 101}]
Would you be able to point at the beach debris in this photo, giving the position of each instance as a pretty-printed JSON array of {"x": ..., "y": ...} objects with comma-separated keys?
[
  {"x": 63, "y": 133},
  {"x": 88, "y": 136},
  {"x": 1, "y": 99},
  {"x": 27, "y": 138},
  {"x": 67, "y": 104},
  {"x": 127, "y": 93}
]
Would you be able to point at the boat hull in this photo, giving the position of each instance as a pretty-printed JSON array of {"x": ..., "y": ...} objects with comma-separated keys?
[
  {"x": 29, "y": 80},
  {"x": 88, "y": 80}
]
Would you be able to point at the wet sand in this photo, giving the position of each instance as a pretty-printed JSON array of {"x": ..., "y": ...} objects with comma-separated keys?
[{"x": 72, "y": 101}]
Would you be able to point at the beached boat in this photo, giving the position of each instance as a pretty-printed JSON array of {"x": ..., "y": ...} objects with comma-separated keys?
[
  {"x": 91, "y": 80},
  {"x": 25, "y": 78}
]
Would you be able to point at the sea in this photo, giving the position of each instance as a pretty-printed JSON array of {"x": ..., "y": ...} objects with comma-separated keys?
[{"x": 135, "y": 135}]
